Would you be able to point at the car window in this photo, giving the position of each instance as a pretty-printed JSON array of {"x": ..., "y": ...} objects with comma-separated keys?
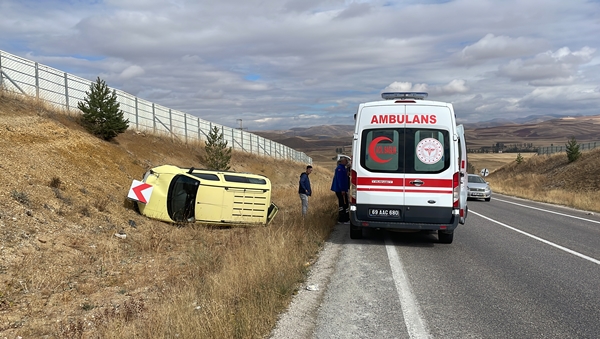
[
  {"x": 476, "y": 179},
  {"x": 206, "y": 176},
  {"x": 246, "y": 180},
  {"x": 405, "y": 150}
]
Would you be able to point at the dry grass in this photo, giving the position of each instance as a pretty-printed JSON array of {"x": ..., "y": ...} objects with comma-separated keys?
[
  {"x": 65, "y": 274},
  {"x": 553, "y": 179},
  {"x": 493, "y": 161}
]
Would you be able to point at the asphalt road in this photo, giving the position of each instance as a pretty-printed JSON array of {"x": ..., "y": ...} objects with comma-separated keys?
[{"x": 517, "y": 269}]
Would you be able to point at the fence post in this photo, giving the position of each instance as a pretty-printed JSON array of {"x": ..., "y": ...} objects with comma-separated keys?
[
  {"x": 137, "y": 124},
  {"x": 1, "y": 74},
  {"x": 171, "y": 124},
  {"x": 199, "y": 134},
  {"x": 37, "y": 81},
  {"x": 184, "y": 126},
  {"x": 67, "y": 92},
  {"x": 153, "y": 119},
  {"x": 232, "y": 138},
  {"x": 242, "y": 135}
]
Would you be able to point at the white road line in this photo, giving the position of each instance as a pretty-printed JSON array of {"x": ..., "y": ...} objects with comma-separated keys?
[
  {"x": 543, "y": 210},
  {"x": 583, "y": 256},
  {"x": 415, "y": 324}
]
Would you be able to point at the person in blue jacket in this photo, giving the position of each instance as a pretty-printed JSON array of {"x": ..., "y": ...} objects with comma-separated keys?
[
  {"x": 340, "y": 187},
  {"x": 304, "y": 189}
]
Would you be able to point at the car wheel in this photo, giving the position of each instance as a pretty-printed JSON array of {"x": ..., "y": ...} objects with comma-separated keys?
[
  {"x": 445, "y": 237},
  {"x": 355, "y": 232},
  {"x": 488, "y": 199}
]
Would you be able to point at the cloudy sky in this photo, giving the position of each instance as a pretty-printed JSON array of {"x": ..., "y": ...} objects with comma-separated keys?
[{"x": 278, "y": 64}]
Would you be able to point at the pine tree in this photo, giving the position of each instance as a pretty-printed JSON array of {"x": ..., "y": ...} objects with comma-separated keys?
[
  {"x": 101, "y": 114},
  {"x": 218, "y": 154},
  {"x": 573, "y": 152},
  {"x": 519, "y": 158}
]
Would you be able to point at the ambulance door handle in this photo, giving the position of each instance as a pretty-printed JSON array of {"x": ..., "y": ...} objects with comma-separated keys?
[{"x": 416, "y": 182}]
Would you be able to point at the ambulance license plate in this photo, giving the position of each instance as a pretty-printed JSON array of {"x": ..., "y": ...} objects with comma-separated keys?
[{"x": 381, "y": 212}]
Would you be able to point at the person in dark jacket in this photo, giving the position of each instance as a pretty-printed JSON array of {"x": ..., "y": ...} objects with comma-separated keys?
[
  {"x": 340, "y": 187},
  {"x": 304, "y": 189}
]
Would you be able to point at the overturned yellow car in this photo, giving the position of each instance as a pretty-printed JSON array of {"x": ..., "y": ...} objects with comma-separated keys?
[{"x": 174, "y": 194}]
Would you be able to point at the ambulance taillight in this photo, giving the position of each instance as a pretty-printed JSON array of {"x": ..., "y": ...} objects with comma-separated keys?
[
  {"x": 353, "y": 187},
  {"x": 456, "y": 189}
]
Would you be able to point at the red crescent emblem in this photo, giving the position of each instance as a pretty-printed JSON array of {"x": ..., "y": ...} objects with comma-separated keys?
[{"x": 372, "y": 146}]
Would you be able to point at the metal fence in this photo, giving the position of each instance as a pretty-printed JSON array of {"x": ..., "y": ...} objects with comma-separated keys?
[
  {"x": 563, "y": 148},
  {"x": 66, "y": 90}
]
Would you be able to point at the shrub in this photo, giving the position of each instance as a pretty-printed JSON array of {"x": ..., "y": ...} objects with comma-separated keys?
[
  {"x": 218, "y": 154},
  {"x": 573, "y": 152},
  {"x": 519, "y": 158},
  {"x": 101, "y": 114},
  {"x": 55, "y": 182},
  {"x": 21, "y": 197}
]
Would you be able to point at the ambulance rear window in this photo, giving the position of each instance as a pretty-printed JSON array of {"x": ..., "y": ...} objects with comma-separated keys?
[{"x": 405, "y": 150}]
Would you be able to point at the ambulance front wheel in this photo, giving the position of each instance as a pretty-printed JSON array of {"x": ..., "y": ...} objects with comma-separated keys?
[
  {"x": 445, "y": 237},
  {"x": 355, "y": 232}
]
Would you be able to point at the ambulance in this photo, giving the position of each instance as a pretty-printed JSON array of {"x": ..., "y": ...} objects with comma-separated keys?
[{"x": 409, "y": 169}]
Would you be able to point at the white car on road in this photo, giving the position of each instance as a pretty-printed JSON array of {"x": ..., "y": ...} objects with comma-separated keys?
[{"x": 478, "y": 188}]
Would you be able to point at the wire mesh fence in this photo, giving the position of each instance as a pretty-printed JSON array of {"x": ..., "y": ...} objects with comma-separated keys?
[
  {"x": 586, "y": 146},
  {"x": 66, "y": 90}
]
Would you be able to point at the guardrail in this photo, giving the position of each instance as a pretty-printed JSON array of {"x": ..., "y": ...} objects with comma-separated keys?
[
  {"x": 563, "y": 148},
  {"x": 66, "y": 90}
]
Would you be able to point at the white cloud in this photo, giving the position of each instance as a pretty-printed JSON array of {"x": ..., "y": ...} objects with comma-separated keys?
[
  {"x": 317, "y": 58},
  {"x": 497, "y": 47},
  {"x": 210, "y": 94},
  {"x": 547, "y": 68},
  {"x": 131, "y": 72},
  {"x": 457, "y": 86},
  {"x": 398, "y": 86}
]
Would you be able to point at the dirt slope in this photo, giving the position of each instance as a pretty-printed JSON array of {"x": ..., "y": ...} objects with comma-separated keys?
[{"x": 63, "y": 198}]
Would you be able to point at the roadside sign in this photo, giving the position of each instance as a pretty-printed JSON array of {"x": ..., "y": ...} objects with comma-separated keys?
[
  {"x": 484, "y": 172},
  {"x": 140, "y": 191}
]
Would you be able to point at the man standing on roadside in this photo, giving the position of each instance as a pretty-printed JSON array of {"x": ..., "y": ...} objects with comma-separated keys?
[
  {"x": 340, "y": 187},
  {"x": 304, "y": 189}
]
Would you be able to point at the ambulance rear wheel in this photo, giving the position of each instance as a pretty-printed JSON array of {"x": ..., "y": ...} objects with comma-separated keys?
[
  {"x": 355, "y": 232},
  {"x": 445, "y": 238}
]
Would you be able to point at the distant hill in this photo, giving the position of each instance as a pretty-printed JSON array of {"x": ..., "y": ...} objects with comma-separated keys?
[
  {"x": 530, "y": 119},
  {"x": 322, "y": 131},
  {"x": 554, "y": 131},
  {"x": 539, "y": 130}
]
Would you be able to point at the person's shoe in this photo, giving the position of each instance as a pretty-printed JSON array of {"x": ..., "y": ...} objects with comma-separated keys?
[{"x": 346, "y": 223}]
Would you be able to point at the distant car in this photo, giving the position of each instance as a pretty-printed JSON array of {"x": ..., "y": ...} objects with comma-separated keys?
[{"x": 478, "y": 188}]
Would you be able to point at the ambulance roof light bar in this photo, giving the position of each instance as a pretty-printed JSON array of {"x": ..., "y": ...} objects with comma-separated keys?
[{"x": 404, "y": 95}]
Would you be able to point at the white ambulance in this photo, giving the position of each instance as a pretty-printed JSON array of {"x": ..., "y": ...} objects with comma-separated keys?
[{"x": 409, "y": 166}]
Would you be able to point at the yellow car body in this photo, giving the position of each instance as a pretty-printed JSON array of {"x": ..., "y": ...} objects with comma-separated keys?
[{"x": 205, "y": 196}]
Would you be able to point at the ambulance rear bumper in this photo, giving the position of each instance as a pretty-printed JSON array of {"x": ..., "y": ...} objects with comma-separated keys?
[{"x": 411, "y": 218}]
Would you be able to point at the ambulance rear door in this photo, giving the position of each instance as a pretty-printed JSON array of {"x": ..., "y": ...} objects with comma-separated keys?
[
  {"x": 379, "y": 169},
  {"x": 462, "y": 158},
  {"x": 430, "y": 172}
]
